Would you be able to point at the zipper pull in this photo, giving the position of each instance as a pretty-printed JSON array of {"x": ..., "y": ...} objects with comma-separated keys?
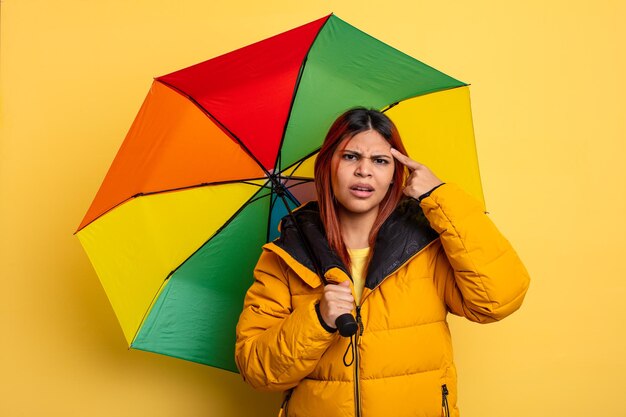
[
  {"x": 359, "y": 323},
  {"x": 445, "y": 409}
]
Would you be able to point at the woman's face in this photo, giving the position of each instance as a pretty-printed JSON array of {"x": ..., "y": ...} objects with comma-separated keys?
[{"x": 362, "y": 171}]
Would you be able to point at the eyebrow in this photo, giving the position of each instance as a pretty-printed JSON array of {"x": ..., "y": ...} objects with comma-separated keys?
[{"x": 371, "y": 157}]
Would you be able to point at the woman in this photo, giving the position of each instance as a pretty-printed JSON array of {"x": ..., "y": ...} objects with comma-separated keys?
[{"x": 399, "y": 264}]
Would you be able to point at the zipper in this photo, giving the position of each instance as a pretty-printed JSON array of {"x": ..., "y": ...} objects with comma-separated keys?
[
  {"x": 359, "y": 333},
  {"x": 357, "y": 358},
  {"x": 357, "y": 343},
  {"x": 445, "y": 409}
]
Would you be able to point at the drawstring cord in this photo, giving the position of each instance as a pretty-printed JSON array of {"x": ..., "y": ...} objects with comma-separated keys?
[
  {"x": 350, "y": 349},
  {"x": 283, "y": 407}
]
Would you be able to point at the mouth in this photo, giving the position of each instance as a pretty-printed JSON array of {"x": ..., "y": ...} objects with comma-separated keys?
[{"x": 362, "y": 190}]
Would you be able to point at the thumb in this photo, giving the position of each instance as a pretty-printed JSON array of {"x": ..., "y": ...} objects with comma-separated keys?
[{"x": 345, "y": 283}]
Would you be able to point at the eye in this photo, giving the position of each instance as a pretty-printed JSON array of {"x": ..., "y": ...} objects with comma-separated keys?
[
  {"x": 381, "y": 161},
  {"x": 349, "y": 157}
]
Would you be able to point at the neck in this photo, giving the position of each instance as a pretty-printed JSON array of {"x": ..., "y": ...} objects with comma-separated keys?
[{"x": 356, "y": 228}]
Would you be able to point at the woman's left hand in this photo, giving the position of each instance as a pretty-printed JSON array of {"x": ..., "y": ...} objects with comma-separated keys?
[{"x": 421, "y": 179}]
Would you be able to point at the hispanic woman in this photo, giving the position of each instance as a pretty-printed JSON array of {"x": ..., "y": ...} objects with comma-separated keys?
[{"x": 399, "y": 250}]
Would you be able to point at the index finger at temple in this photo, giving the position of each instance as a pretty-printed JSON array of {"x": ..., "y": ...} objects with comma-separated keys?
[{"x": 404, "y": 160}]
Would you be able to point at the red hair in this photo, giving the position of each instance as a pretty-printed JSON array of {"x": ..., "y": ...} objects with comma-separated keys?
[{"x": 347, "y": 125}]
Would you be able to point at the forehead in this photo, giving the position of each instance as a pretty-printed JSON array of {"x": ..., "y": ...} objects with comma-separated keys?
[{"x": 369, "y": 141}]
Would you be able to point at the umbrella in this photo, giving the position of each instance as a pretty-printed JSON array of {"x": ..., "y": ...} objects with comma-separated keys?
[{"x": 178, "y": 223}]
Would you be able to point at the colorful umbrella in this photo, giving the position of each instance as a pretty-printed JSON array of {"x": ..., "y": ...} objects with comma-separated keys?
[{"x": 177, "y": 226}]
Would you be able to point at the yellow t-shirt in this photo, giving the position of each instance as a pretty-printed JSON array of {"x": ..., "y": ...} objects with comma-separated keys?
[{"x": 358, "y": 258}]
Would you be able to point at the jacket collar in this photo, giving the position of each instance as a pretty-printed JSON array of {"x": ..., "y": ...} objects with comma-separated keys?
[{"x": 405, "y": 233}]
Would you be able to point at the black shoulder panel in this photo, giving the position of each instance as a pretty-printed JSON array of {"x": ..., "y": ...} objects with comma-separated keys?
[
  {"x": 405, "y": 233},
  {"x": 291, "y": 240}
]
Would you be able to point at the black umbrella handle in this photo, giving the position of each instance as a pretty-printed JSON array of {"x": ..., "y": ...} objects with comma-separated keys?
[{"x": 346, "y": 324}]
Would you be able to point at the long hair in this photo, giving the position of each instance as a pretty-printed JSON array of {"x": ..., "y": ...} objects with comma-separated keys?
[{"x": 349, "y": 124}]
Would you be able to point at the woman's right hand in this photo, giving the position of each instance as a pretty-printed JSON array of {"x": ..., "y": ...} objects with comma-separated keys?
[{"x": 336, "y": 300}]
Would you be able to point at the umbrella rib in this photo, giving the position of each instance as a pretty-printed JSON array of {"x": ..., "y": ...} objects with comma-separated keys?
[
  {"x": 252, "y": 199},
  {"x": 274, "y": 201},
  {"x": 149, "y": 309},
  {"x": 273, "y": 198},
  {"x": 226, "y": 223},
  {"x": 303, "y": 179},
  {"x": 390, "y": 106},
  {"x": 424, "y": 93},
  {"x": 204, "y": 184},
  {"x": 292, "y": 197},
  {"x": 298, "y": 183},
  {"x": 295, "y": 92},
  {"x": 255, "y": 199},
  {"x": 220, "y": 124},
  {"x": 247, "y": 181},
  {"x": 299, "y": 164}
]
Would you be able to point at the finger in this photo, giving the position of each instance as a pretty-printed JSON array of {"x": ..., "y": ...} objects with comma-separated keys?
[
  {"x": 342, "y": 288},
  {"x": 342, "y": 305},
  {"x": 405, "y": 160},
  {"x": 337, "y": 307},
  {"x": 331, "y": 303},
  {"x": 339, "y": 296}
]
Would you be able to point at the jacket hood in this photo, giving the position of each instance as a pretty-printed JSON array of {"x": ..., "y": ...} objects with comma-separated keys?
[{"x": 405, "y": 233}]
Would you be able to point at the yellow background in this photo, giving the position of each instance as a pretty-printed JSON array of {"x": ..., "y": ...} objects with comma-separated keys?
[{"x": 548, "y": 100}]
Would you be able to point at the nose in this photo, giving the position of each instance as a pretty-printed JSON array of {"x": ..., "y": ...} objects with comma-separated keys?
[{"x": 363, "y": 168}]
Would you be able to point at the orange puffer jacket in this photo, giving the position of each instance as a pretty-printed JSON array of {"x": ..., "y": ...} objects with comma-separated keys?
[{"x": 443, "y": 255}]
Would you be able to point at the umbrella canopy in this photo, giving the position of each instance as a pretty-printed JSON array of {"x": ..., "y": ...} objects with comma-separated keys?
[{"x": 177, "y": 226}]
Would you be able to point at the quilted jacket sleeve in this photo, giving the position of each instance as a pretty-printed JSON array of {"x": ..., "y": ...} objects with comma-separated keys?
[
  {"x": 477, "y": 271},
  {"x": 277, "y": 345}
]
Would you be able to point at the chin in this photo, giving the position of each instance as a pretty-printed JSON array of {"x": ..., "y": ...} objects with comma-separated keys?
[{"x": 359, "y": 209}]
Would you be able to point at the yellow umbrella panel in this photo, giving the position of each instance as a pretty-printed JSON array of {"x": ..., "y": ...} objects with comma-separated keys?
[{"x": 437, "y": 131}]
